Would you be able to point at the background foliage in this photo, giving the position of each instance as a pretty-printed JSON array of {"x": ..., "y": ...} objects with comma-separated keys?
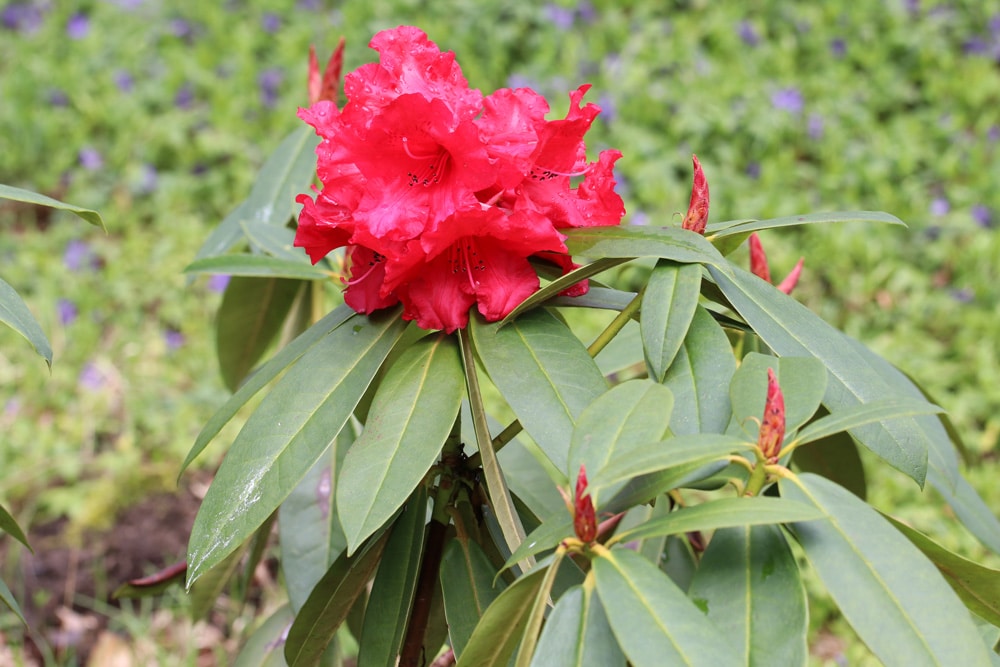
[{"x": 159, "y": 115}]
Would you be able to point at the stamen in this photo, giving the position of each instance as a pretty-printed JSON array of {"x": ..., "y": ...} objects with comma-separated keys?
[
  {"x": 543, "y": 174},
  {"x": 372, "y": 265},
  {"x": 430, "y": 174}
]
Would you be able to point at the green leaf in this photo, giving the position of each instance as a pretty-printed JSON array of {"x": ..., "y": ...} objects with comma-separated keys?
[
  {"x": 285, "y": 174},
  {"x": 790, "y": 329},
  {"x": 596, "y": 297},
  {"x": 260, "y": 266},
  {"x": 803, "y": 384},
  {"x": 395, "y": 586},
  {"x": 205, "y": 592},
  {"x": 250, "y": 316},
  {"x": 29, "y": 197},
  {"x": 699, "y": 378},
  {"x": 561, "y": 283},
  {"x": 577, "y": 634},
  {"x": 748, "y": 583},
  {"x": 9, "y": 526},
  {"x": 892, "y": 596},
  {"x": 544, "y": 373},
  {"x": 413, "y": 412},
  {"x": 681, "y": 454},
  {"x": 309, "y": 529},
  {"x": 533, "y": 626},
  {"x": 668, "y": 306},
  {"x": 673, "y": 243},
  {"x": 330, "y": 602},
  {"x": 836, "y": 458},
  {"x": 15, "y": 314},
  {"x": 627, "y": 416},
  {"x": 731, "y": 227},
  {"x": 976, "y": 585},
  {"x": 974, "y": 513},
  {"x": 496, "y": 636},
  {"x": 722, "y": 513},
  {"x": 284, "y": 358},
  {"x": 274, "y": 240},
  {"x": 264, "y": 646},
  {"x": 654, "y": 622},
  {"x": 467, "y": 581},
  {"x": 845, "y": 420},
  {"x": 154, "y": 584},
  {"x": 225, "y": 235},
  {"x": 528, "y": 480},
  {"x": 288, "y": 433},
  {"x": 546, "y": 536},
  {"x": 8, "y": 599}
]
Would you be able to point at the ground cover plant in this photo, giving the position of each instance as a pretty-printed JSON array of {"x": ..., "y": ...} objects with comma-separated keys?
[{"x": 743, "y": 91}]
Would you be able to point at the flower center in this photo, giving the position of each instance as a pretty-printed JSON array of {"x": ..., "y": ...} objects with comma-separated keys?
[
  {"x": 429, "y": 168},
  {"x": 466, "y": 259},
  {"x": 372, "y": 264}
]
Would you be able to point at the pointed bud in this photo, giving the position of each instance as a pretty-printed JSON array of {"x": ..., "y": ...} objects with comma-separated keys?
[
  {"x": 772, "y": 426},
  {"x": 758, "y": 259},
  {"x": 584, "y": 517},
  {"x": 697, "y": 215},
  {"x": 792, "y": 279},
  {"x": 325, "y": 88}
]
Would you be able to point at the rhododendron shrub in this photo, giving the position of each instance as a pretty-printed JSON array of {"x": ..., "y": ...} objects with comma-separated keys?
[{"x": 458, "y": 474}]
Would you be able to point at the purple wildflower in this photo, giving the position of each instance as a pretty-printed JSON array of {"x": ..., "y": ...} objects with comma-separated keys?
[
  {"x": 181, "y": 28},
  {"x": 983, "y": 216},
  {"x": 67, "y": 311},
  {"x": 309, "y": 5},
  {"x": 586, "y": 12},
  {"x": 184, "y": 97},
  {"x": 91, "y": 377},
  {"x": 217, "y": 282},
  {"x": 963, "y": 295},
  {"x": 58, "y": 98},
  {"x": 270, "y": 82},
  {"x": 78, "y": 26},
  {"x": 124, "y": 81},
  {"x": 608, "y": 108},
  {"x": 994, "y": 25},
  {"x": 173, "y": 338},
  {"x": 993, "y": 134},
  {"x": 76, "y": 254},
  {"x": 940, "y": 206},
  {"x": 788, "y": 99},
  {"x": 838, "y": 47},
  {"x": 639, "y": 218},
  {"x": 23, "y": 17},
  {"x": 148, "y": 180},
  {"x": 561, "y": 17},
  {"x": 975, "y": 45},
  {"x": 270, "y": 22},
  {"x": 815, "y": 126},
  {"x": 748, "y": 34},
  {"x": 753, "y": 170},
  {"x": 90, "y": 158}
]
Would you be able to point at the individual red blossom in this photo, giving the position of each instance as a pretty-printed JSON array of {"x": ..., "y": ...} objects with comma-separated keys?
[
  {"x": 584, "y": 516},
  {"x": 325, "y": 87},
  {"x": 772, "y": 426},
  {"x": 759, "y": 267},
  {"x": 697, "y": 214},
  {"x": 440, "y": 195}
]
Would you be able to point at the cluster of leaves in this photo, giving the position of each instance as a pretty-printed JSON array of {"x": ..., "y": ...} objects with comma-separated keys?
[{"x": 377, "y": 456}]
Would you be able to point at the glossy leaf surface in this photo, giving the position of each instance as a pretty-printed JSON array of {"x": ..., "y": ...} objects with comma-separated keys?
[
  {"x": 15, "y": 314},
  {"x": 467, "y": 581},
  {"x": 668, "y": 306},
  {"x": 673, "y": 243},
  {"x": 577, "y": 634},
  {"x": 29, "y": 197}
]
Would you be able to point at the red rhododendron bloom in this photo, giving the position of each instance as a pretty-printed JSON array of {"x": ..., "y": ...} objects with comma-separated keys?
[{"x": 441, "y": 195}]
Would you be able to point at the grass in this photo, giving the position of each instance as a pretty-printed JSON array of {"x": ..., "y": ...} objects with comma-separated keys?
[{"x": 158, "y": 115}]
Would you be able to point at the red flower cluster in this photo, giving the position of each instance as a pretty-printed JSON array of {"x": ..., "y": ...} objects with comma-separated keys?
[{"x": 441, "y": 194}]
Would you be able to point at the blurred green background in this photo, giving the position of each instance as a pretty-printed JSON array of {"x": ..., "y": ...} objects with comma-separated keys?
[{"x": 158, "y": 114}]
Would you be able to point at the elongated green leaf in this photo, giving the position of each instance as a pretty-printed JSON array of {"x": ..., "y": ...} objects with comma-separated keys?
[
  {"x": 225, "y": 235},
  {"x": 261, "y": 266},
  {"x": 206, "y": 591},
  {"x": 683, "y": 453},
  {"x": 412, "y": 414},
  {"x": 330, "y": 602},
  {"x": 286, "y": 173},
  {"x": 561, "y": 283},
  {"x": 790, "y": 329},
  {"x": 495, "y": 638},
  {"x": 699, "y": 378},
  {"x": 668, "y": 306},
  {"x": 577, "y": 634},
  {"x": 543, "y": 372},
  {"x": 731, "y": 227},
  {"x": 505, "y": 514},
  {"x": 250, "y": 316},
  {"x": 845, "y": 420},
  {"x": 547, "y": 536},
  {"x": 309, "y": 529},
  {"x": 748, "y": 583},
  {"x": 9, "y": 526},
  {"x": 654, "y": 622},
  {"x": 892, "y": 596},
  {"x": 722, "y": 513},
  {"x": 29, "y": 197},
  {"x": 533, "y": 626},
  {"x": 975, "y": 514},
  {"x": 467, "y": 581},
  {"x": 625, "y": 417},
  {"x": 288, "y": 433},
  {"x": 835, "y": 457},
  {"x": 596, "y": 297},
  {"x": 673, "y": 243},
  {"x": 7, "y": 598},
  {"x": 394, "y": 587},
  {"x": 266, "y": 644},
  {"x": 15, "y": 314},
  {"x": 281, "y": 360},
  {"x": 528, "y": 480},
  {"x": 976, "y": 585},
  {"x": 802, "y": 380},
  {"x": 275, "y": 240}
]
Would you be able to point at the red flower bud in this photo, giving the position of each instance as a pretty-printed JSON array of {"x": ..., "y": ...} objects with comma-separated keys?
[
  {"x": 772, "y": 426},
  {"x": 758, "y": 258},
  {"x": 325, "y": 88},
  {"x": 788, "y": 284},
  {"x": 697, "y": 215},
  {"x": 584, "y": 517}
]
